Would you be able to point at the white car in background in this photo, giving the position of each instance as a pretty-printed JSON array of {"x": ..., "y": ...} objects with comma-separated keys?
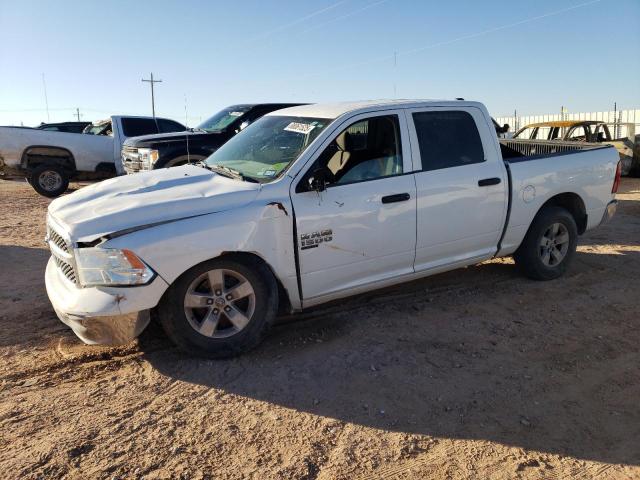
[
  {"x": 311, "y": 204},
  {"x": 50, "y": 159}
]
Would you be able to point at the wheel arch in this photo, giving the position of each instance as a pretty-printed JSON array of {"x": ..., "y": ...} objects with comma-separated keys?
[
  {"x": 573, "y": 203},
  {"x": 284, "y": 301},
  {"x": 37, "y": 154}
]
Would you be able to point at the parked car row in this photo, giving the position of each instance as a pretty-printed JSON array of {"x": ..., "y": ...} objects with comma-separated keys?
[
  {"x": 151, "y": 152},
  {"x": 311, "y": 204},
  {"x": 49, "y": 159}
]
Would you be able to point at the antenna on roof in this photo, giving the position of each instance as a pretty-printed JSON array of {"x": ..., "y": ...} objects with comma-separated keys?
[{"x": 459, "y": 98}]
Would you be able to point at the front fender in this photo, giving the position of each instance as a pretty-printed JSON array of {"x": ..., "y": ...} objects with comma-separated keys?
[{"x": 264, "y": 229}]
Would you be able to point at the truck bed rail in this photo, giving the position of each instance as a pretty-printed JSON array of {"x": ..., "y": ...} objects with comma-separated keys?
[{"x": 530, "y": 148}]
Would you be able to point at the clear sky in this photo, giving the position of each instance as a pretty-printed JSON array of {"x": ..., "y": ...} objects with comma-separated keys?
[{"x": 533, "y": 56}]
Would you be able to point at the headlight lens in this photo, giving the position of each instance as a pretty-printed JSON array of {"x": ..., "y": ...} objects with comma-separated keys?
[
  {"x": 148, "y": 156},
  {"x": 111, "y": 267}
]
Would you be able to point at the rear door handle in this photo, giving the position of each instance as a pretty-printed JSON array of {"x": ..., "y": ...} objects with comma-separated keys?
[
  {"x": 485, "y": 182},
  {"x": 398, "y": 197}
]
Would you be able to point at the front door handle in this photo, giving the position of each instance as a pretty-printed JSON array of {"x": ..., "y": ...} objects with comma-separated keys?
[
  {"x": 398, "y": 197},
  {"x": 485, "y": 182}
]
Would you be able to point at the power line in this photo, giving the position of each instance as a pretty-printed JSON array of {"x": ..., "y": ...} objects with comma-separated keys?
[
  {"x": 342, "y": 17},
  {"x": 454, "y": 40},
  {"x": 299, "y": 20}
]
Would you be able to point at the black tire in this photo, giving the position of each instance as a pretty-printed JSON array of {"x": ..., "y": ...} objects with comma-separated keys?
[
  {"x": 531, "y": 254},
  {"x": 49, "y": 180},
  {"x": 174, "y": 321}
]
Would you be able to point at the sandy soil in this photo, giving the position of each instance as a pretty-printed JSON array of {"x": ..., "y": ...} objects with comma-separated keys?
[{"x": 478, "y": 373}]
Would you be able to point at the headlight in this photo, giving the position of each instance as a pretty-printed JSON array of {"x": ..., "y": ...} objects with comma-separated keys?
[
  {"x": 111, "y": 267},
  {"x": 148, "y": 157}
]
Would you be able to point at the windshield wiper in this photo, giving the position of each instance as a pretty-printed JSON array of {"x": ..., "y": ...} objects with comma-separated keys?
[{"x": 229, "y": 172}]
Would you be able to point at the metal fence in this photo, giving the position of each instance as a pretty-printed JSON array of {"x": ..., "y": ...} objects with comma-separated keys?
[{"x": 615, "y": 118}]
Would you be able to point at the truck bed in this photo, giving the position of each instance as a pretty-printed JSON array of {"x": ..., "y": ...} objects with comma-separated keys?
[{"x": 542, "y": 169}]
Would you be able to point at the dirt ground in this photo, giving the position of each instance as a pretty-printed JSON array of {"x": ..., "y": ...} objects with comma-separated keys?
[{"x": 478, "y": 373}]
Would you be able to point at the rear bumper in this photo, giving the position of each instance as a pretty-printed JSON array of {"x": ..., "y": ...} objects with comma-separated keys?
[
  {"x": 11, "y": 171},
  {"x": 609, "y": 212}
]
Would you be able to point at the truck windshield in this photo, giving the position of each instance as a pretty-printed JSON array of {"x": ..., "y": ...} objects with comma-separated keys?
[
  {"x": 264, "y": 149},
  {"x": 223, "y": 119}
]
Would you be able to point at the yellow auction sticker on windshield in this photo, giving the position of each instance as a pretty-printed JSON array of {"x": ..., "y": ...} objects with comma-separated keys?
[{"x": 298, "y": 127}]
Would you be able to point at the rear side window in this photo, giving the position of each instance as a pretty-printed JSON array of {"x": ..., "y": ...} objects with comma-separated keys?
[
  {"x": 134, "y": 127},
  {"x": 447, "y": 139},
  {"x": 168, "y": 126}
]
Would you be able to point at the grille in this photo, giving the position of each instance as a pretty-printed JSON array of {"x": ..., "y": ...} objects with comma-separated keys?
[
  {"x": 131, "y": 159},
  {"x": 61, "y": 253},
  {"x": 66, "y": 268},
  {"x": 128, "y": 149},
  {"x": 58, "y": 241}
]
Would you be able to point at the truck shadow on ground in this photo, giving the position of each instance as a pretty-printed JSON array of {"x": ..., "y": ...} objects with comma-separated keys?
[
  {"x": 475, "y": 354},
  {"x": 23, "y": 298}
]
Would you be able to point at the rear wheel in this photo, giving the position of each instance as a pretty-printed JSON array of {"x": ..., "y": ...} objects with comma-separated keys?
[
  {"x": 220, "y": 308},
  {"x": 49, "y": 180},
  {"x": 549, "y": 246}
]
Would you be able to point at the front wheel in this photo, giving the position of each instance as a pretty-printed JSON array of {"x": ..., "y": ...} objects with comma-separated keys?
[
  {"x": 220, "y": 308},
  {"x": 49, "y": 180},
  {"x": 549, "y": 245}
]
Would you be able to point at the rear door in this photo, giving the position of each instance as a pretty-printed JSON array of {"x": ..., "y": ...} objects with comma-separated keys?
[
  {"x": 461, "y": 186},
  {"x": 362, "y": 228}
]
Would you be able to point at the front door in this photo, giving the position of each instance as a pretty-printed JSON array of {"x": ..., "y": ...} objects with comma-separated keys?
[{"x": 362, "y": 228}]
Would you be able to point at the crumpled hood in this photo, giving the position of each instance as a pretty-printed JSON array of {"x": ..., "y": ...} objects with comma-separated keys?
[{"x": 145, "y": 198}]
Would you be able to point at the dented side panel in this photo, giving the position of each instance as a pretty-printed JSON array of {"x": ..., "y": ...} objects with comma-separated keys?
[{"x": 263, "y": 228}]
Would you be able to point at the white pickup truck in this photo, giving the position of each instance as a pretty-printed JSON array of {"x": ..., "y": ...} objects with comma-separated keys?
[
  {"x": 49, "y": 159},
  {"x": 310, "y": 204}
]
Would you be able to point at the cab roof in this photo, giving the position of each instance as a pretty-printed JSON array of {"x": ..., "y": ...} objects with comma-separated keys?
[{"x": 335, "y": 110}]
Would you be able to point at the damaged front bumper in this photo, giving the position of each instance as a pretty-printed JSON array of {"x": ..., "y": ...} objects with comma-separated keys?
[{"x": 102, "y": 315}]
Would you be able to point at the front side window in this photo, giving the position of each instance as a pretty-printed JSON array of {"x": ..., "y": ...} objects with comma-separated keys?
[
  {"x": 366, "y": 150},
  {"x": 267, "y": 147},
  {"x": 447, "y": 139},
  {"x": 168, "y": 126}
]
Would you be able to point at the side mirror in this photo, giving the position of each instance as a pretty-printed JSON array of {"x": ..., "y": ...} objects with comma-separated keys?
[
  {"x": 318, "y": 180},
  {"x": 242, "y": 126},
  {"x": 505, "y": 128}
]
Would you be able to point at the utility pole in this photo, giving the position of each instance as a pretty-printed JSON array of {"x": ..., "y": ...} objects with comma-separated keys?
[
  {"x": 153, "y": 103},
  {"x": 78, "y": 113},
  {"x": 46, "y": 101},
  {"x": 395, "y": 66}
]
